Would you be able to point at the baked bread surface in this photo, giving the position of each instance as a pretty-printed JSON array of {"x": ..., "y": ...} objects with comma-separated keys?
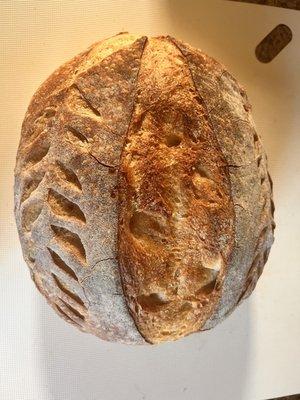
[{"x": 142, "y": 197}]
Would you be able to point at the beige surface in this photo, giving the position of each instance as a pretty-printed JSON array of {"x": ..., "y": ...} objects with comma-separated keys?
[{"x": 252, "y": 355}]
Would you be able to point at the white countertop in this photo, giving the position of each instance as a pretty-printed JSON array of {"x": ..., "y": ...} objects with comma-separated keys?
[{"x": 255, "y": 353}]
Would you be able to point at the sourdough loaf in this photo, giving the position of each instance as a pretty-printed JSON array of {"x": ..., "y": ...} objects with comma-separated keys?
[{"x": 142, "y": 197}]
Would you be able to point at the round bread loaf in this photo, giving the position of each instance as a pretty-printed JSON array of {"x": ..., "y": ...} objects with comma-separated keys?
[{"x": 142, "y": 197}]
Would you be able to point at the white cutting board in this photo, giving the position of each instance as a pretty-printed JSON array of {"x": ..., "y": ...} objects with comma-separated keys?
[{"x": 255, "y": 353}]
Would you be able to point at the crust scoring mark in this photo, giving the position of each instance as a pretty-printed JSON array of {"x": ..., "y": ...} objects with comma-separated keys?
[
  {"x": 42, "y": 122},
  {"x": 59, "y": 262},
  {"x": 30, "y": 214},
  {"x": 70, "y": 241},
  {"x": 64, "y": 315},
  {"x": 74, "y": 312},
  {"x": 87, "y": 102},
  {"x": 36, "y": 154},
  {"x": 68, "y": 175},
  {"x": 67, "y": 291},
  {"x": 121, "y": 157},
  {"x": 65, "y": 208},
  {"x": 31, "y": 185},
  {"x": 31, "y": 211},
  {"x": 69, "y": 313},
  {"x": 76, "y": 134}
]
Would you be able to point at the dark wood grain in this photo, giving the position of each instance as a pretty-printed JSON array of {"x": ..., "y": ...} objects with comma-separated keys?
[
  {"x": 292, "y": 4},
  {"x": 293, "y": 397}
]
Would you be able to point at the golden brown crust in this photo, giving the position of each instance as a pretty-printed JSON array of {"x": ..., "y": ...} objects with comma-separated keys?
[
  {"x": 142, "y": 197},
  {"x": 176, "y": 214}
]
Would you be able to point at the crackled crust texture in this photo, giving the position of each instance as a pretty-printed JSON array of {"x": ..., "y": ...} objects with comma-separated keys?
[
  {"x": 142, "y": 198},
  {"x": 176, "y": 214}
]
